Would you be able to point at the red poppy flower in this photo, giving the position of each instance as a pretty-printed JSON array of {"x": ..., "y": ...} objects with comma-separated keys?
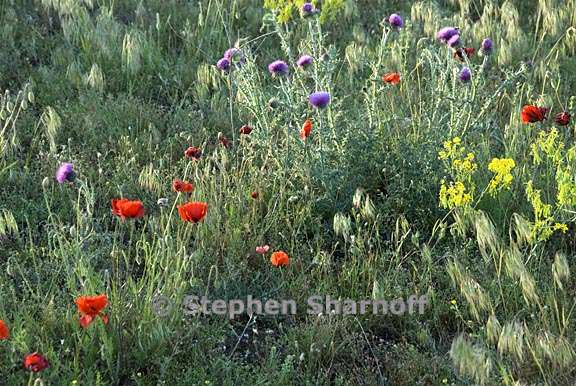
[
  {"x": 255, "y": 195},
  {"x": 223, "y": 140},
  {"x": 245, "y": 130},
  {"x": 124, "y": 208},
  {"x": 193, "y": 152},
  {"x": 4, "y": 331},
  {"x": 531, "y": 114},
  {"x": 464, "y": 51},
  {"x": 392, "y": 78},
  {"x": 193, "y": 211},
  {"x": 306, "y": 129},
  {"x": 182, "y": 186},
  {"x": 35, "y": 362},
  {"x": 279, "y": 259},
  {"x": 563, "y": 118},
  {"x": 90, "y": 307}
]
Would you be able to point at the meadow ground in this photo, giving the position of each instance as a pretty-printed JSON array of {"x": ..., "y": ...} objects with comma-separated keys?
[{"x": 423, "y": 150}]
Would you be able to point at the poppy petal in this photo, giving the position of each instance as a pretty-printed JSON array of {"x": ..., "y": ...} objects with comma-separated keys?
[{"x": 86, "y": 320}]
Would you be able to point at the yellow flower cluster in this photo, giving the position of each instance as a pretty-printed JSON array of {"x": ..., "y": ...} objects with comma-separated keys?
[
  {"x": 501, "y": 167},
  {"x": 454, "y": 195},
  {"x": 560, "y": 227},
  {"x": 543, "y": 226},
  {"x": 452, "y": 149},
  {"x": 461, "y": 166},
  {"x": 465, "y": 165}
]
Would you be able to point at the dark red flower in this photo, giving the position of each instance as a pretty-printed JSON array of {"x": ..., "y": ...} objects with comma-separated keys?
[
  {"x": 182, "y": 186},
  {"x": 223, "y": 140},
  {"x": 255, "y": 195},
  {"x": 464, "y": 51},
  {"x": 531, "y": 114},
  {"x": 193, "y": 152},
  {"x": 563, "y": 118},
  {"x": 245, "y": 130},
  {"x": 35, "y": 362}
]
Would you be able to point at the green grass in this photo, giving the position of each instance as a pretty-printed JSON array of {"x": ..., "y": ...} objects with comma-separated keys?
[{"x": 121, "y": 88}]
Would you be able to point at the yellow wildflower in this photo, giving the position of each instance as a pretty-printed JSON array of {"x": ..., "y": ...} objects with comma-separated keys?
[
  {"x": 451, "y": 149},
  {"x": 560, "y": 227},
  {"x": 503, "y": 178},
  {"x": 465, "y": 165},
  {"x": 454, "y": 195}
]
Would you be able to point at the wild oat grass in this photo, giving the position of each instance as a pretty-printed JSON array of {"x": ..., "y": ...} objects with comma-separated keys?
[{"x": 459, "y": 189}]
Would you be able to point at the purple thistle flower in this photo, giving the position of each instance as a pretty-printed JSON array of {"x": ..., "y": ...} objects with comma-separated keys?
[
  {"x": 446, "y": 33},
  {"x": 65, "y": 173},
  {"x": 465, "y": 74},
  {"x": 305, "y": 61},
  {"x": 454, "y": 41},
  {"x": 223, "y": 64},
  {"x": 233, "y": 54},
  {"x": 319, "y": 99},
  {"x": 278, "y": 67},
  {"x": 486, "y": 46},
  {"x": 396, "y": 21},
  {"x": 307, "y": 9}
]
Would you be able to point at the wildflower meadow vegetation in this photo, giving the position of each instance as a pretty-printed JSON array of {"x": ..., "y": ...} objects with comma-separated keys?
[{"x": 361, "y": 149}]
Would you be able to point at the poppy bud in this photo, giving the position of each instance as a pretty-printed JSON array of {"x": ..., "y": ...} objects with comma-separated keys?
[{"x": 563, "y": 118}]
